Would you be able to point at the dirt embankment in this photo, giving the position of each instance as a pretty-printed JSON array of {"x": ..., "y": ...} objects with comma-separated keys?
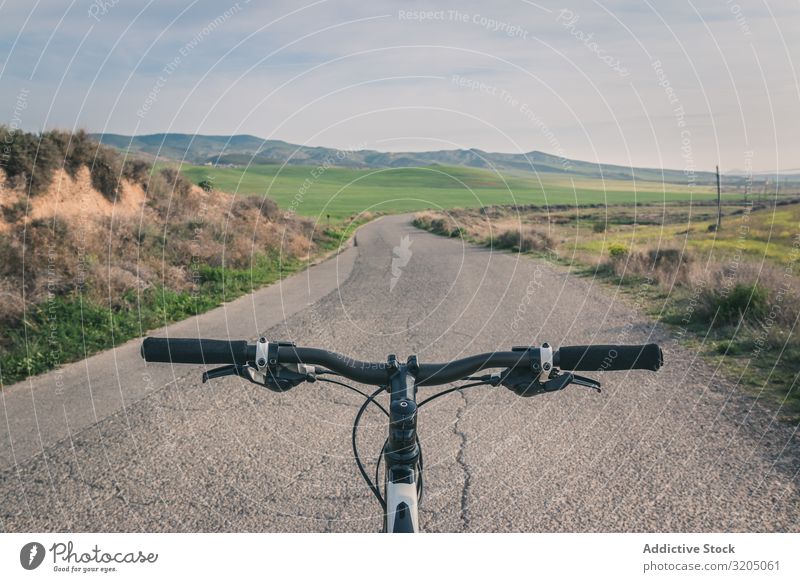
[{"x": 70, "y": 238}]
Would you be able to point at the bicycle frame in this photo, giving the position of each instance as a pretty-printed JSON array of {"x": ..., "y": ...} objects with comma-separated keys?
[{"x": 403, "y": 473}]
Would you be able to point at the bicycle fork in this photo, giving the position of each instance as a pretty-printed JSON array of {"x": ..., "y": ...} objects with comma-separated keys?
[{"x": 403, "y": 483}]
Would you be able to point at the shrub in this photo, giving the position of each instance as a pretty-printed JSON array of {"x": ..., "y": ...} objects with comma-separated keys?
[
  {"x": 137, "y": 171},
  {"x": 78, "y": 149},
  {"x": 508, "y": 239},
  {"x": 179, "y": 186},
  {"x": 668, "y": 259},
  {"x": 599, "y": 227},
  {"x": 524, "y": 240},
  {"x": 264, "y": 205},
  {"x": 31, "y": 160},
  {"x": 617, "y": 250},
  {"x": 743, "y": 301},
  {"x": 439, "y": 226},
  {"x": 106, "y": 169},
  {"x": 436, "y": 225}
]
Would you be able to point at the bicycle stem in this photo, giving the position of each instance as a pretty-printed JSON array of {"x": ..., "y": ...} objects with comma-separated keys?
[
  {"x": 402, "y": 448},
  {"x": 402, "y": 452}
]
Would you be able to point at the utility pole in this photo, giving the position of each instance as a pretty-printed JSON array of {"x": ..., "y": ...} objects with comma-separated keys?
[{"x": 719, "y": 202}]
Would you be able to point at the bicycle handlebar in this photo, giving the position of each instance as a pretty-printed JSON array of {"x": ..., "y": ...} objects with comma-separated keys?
[
  {"x": 611, "y": 358},
  {"x": 582, "y": 358},
  {"x": 197, "y": 351}
]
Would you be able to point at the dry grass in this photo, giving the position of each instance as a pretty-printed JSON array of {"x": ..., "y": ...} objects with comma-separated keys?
[
  {"x": 74, "y": 239},
  {"x": 492, "y": 227}
]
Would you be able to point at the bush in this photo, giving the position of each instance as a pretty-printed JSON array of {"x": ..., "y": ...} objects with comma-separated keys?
[
  {"x": 617, "y": 250},
  {"x": 137, "y": 171},
  {"x": 34, "y": 158},
  {"x": 668, "y": 259},
  {"x": 265, "y": 206},
  {"x": 179, "y": 186},
  {"x": 743, "y": 301},
  {"x": 524, "y": 240},
  {"x": 439, "y": 226},
  {"x": 31, "y": 160},
  {"x": 599, "y": 227},
  {"x": 106, "y": 169},
  {"x": 508, "y": 239}
]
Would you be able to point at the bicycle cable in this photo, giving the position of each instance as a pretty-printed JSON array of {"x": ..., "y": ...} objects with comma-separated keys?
[
  {"x": 451, "y": 390},
  {"x": 378, "y": 464},
  {"x": 372, "y": 486},
  {"x": 370, "y": 399},
  {"x": 354, "y": 389}
]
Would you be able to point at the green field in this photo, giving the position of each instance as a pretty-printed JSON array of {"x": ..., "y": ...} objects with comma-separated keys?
[{"x": 341, "y": 192}]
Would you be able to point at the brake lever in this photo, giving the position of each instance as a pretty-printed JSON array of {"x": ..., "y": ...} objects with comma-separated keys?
[
  {"x": 586, "y": 382},
  {"x": 520, "y": 383},
  {"x": 558, "y": 381},
  {"x": 281, "y": 379},
  {"x": 230, "y": 370}
]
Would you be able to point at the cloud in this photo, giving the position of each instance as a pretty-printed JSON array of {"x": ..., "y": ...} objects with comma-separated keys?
[{"x": 339, "y": 73}]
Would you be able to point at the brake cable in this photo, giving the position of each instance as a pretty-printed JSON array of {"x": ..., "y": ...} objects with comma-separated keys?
[
  {"x": 453, "y": 389},
  {"x": 354, "y": 389},
  {"x": 372, "y": 486},
  {"x": 370, "y": 399}
]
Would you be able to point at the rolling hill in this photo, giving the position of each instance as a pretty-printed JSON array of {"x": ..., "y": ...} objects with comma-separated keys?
[{"x": 242, "y": 150}]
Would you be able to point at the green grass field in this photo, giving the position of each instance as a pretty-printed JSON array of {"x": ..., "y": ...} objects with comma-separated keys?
[{"x": 341, "y": 192}]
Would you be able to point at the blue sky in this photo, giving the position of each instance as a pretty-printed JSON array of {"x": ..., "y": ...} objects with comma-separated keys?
[{"x": 644, "y": 83}]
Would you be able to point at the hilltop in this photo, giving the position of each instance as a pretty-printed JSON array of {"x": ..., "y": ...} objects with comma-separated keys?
[{"x": 242, "y": 150}]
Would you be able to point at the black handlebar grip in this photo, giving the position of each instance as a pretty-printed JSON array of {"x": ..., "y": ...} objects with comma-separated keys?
[
  {"x": 196, "y": 351},
  {"x": 596, "y": 358}
]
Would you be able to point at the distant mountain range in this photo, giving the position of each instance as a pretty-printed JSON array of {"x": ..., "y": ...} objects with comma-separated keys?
[{"x": 241, "y": 150}]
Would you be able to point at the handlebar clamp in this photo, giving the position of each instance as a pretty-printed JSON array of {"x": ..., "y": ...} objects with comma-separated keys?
[
  {"x": 266, "y": 370},
  {"x": 543, "y": 376}
]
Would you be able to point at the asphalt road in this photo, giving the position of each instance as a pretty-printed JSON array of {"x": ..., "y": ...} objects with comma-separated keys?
[{"x": 113, "y": 444}]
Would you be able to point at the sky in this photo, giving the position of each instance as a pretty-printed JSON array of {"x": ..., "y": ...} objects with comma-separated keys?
[{"x": 684, "y": 85}]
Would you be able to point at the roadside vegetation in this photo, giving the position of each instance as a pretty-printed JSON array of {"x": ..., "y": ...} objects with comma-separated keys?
[
  {"x": 96, "y": 250},
  {"x": 733, "y": 294}
]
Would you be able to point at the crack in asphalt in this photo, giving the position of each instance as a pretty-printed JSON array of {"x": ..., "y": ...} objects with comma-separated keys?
[{"x": 461, "y": 461}]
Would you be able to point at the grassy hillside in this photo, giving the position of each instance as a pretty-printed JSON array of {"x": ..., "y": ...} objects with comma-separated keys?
[
  {"x": 248, "y": 149},
  {"x": 313, "y": 191}
]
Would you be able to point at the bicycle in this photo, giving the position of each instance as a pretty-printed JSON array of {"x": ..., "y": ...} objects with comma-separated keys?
[{"x": 280, "y": 366}]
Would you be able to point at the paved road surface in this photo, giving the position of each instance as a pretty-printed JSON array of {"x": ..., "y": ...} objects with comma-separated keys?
[{"x": 113, "y": 444}]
